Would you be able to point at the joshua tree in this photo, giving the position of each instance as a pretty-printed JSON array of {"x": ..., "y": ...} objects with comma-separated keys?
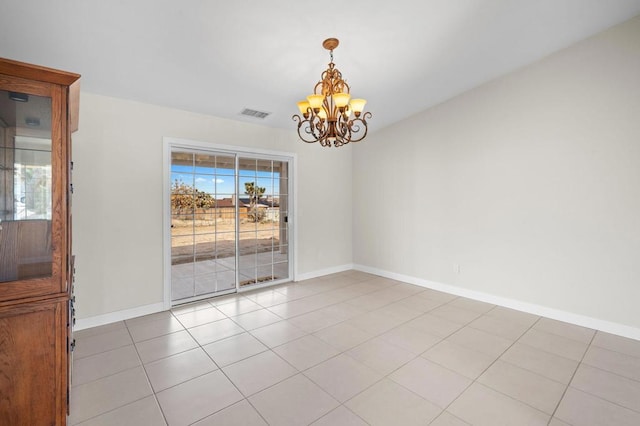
[
  {"x": 254, "y": 192},
  {"x": 185, "y": 196}
]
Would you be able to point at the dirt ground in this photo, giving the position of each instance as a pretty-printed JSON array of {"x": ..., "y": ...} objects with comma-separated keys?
[{"x": 217, "y": 239}]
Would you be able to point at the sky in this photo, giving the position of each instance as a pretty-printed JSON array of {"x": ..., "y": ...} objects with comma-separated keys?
[{"x": 220, "y": 182}]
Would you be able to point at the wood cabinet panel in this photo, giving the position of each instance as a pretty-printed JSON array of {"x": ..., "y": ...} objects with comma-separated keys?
[{"x": 31, "y": 351}]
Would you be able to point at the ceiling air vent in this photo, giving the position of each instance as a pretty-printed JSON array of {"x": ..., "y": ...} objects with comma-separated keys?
[{"x": 255, "y": 114}]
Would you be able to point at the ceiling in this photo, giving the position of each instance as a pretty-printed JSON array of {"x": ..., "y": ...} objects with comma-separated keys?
[{"x": 219, "y": 57}]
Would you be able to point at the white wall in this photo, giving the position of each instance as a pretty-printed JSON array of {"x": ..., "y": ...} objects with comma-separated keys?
[
  {"x": 530, "y": 183},
  {"x": 117, "y": 205}
]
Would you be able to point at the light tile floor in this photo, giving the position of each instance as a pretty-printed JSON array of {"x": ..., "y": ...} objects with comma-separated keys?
[{"x": 352, "y": 349}]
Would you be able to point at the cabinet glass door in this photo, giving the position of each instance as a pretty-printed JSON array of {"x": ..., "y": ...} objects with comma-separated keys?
[{"x": 25, "y": 186}]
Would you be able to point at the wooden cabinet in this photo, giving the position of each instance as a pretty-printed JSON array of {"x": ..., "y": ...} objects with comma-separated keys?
[
  {"x": 33, "y": 344},
  {"x": 38, "y": 113}
]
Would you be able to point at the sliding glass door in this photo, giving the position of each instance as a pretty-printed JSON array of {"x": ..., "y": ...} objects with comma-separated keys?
[
  {"x": 229, "y": 221},
  {"x": 203, "y": 231},
  {"x": 263, "y": 238}
]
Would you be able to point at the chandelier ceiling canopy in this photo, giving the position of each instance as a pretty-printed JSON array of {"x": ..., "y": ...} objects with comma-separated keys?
[{"x": 329, "y": 115}]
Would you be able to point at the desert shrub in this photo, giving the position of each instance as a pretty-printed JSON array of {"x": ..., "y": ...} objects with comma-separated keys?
[
  {"x": 256, "y": 214},
  {"x": 186, "y": 197}
]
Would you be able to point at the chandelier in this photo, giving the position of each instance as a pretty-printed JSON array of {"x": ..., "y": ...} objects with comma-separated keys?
[{"x": 327, "y": 112}]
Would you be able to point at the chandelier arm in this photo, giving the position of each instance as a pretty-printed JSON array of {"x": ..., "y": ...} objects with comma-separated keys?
[
  {"x": 354, "y": 126},
  {"x": 308, "y": 129},
  {"x": 344, "y": 129},
  {"x": 322, "y": 126},
  {"x": 325, "y": 131},
  {"x": 324, "y": 136},
  {"x": 328, "y": 107},
  {"x": 344, "y": 139}
]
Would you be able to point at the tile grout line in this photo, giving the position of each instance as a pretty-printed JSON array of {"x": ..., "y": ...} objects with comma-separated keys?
[
  {"x": 552, "y": 353},
  {"x": 614, "y": 350},
  {"x": 153, "y": 391},
  {"x": 118, "y": 372},
  {"x": 244, "y": 397},
  {"x": 600, "y": 397},
  {"x": 343, "y": 352},
  {"x": 198, "y": 376},
  {"x": 488, "y": 367},
  {"x": 532, "y": 347},
  {"x": 571, "y": 380},
  {"x": 399, "y": 367},
  {"x": 613, "y": 373}
]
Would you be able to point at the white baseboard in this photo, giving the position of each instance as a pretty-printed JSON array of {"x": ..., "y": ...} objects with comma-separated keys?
[
  {"x": 556, "y": 314},
  {"x": 322, "y": 272},
  {"x": 126, "y": 314},
  {"x": 111, "y": 317}
]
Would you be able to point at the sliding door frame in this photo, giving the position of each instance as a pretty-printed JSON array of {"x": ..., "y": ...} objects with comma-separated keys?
[{"x": 168, "y": 145}]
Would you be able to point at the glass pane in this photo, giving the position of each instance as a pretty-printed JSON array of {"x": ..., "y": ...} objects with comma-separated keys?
[
  {"x": 283, "y": 188},
  {"x": 182, "y": 162},
  {"x": 225, "y": 280},
  {"x": 205, "y": 227},
  {"x": 224, "y": 186},
  {"x": 247, "y": 167},
  {"x": 281, "y": 270},
  {"x": 225, "y": 244},
  {"x": 205, "y": 163},
  {"x": 265, "y": 258},
  {"x": 205, "y": 250},
  {"x": 182, "y": 267},
  {"x": 228, "y": 262},
  {"x": 225, "y": 214},
  {"x": 247, "y": 276},
  {"x": 182, "y": 250},
  {"x": 205, "y": 284},
  {"x": 280, "y": 253},
  {"x": 247, "y": 252},
  {"x": 265, "y": 273},
  {"x": 25, "y": 186},
  {"x": 266, "y": 182},
  {"x": 204, "y": 184},
  {"x": 225, "y": 165},
  {"x": 182, "y": 288},
  {"x": 264, "y": 166}
]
